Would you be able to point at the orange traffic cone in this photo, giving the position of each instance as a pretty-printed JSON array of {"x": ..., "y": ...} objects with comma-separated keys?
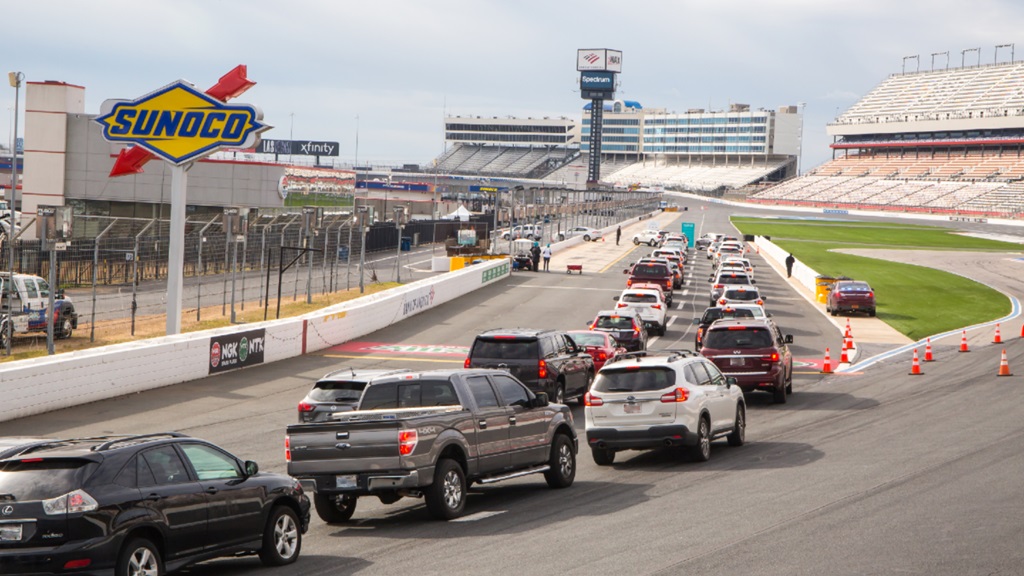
[
  {"x": 843, "y": 358},
  {"x": 928, "y": 351},
  {"x": 998, "y": 339},
  {"x": 963, "y": 343},
  {"x": 826, "y": 368},
  {"x": 1004, "y": 366},
  {"x": 848, "y": 335},
  {"x": 1022, "y": 331},
  {"x": 915, "y": 368}
]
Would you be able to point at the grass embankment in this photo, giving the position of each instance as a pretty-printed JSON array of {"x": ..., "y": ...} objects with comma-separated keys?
[
  {"x": 915, "y": 300},
  {"x": 152, "y": 326}
]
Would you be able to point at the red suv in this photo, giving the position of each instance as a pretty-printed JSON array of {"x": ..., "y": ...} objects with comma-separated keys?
[
  {"x": 851, "y": 296},
  {"x": 654, "y": 273},
  {"x": 755, "y": 352}
]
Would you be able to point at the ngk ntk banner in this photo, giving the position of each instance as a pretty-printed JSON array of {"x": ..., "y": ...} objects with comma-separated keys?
[
  {"x": 597, "y": 81},
  {"x": 236, "y": 350}
]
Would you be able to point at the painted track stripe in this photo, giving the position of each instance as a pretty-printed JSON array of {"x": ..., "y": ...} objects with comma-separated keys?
[{"x": 395, "y": 358}]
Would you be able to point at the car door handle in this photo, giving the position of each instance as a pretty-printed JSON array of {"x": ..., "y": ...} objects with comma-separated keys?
[
  {"x": 212, "y": 490},
  {"x": 512, "y": 420},
  {"x": 483, "y": 424},
  {"x": 154, "y": 497}
]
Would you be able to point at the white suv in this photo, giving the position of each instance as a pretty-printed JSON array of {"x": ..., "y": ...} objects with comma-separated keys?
[
  {"x": 648, "y": 236},
  {"x": 643, "y": 400},
  {"x": 649, "y": 304}
]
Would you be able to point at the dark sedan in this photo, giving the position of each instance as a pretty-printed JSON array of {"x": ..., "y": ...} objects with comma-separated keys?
[{"x": 850, "y": 296}]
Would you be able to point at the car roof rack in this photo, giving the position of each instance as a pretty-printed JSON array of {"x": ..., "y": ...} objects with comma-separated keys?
[{"x": 137, "y": 439}]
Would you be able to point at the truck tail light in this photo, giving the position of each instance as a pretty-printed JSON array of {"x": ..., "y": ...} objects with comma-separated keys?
[
  {"x": 407, "y": 440},
  {"x": 700, "y": 334},
  {"x": 466, "y": 363},
  {"x": 591, "y": 400},
  {"x": 542, "y": 369},
  {"x": 287, "y": 449},
  {"x": 677, "y": 395}
]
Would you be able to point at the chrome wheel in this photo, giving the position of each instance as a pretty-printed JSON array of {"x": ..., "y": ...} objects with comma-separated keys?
[
  {"x": 452, "y": 490},
  {"x": 560, "y": 395},
  {"x": 565, "y": 460},
  {"x": 286, "y": 536},
  {"x": 143, "y": 562}
]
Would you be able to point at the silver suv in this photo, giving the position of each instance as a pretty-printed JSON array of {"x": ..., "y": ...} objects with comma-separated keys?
[{"x": 642, "y": 401}]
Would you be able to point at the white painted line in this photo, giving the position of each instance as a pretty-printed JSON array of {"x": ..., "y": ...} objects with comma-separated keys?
[
  {"x": 651, "y": 341},
  {"x": 686, "y": 291},
  {"x": 478, "y": 516},
  {"x": 679, "y": 306},
  {"x": 672, "y": 320}
]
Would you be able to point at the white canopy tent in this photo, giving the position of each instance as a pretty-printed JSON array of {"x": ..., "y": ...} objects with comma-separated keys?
[{"x": 460, "y": 213}]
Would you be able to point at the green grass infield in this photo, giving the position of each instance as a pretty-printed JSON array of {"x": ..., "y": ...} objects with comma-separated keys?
[{"x": 915, "y": 300}]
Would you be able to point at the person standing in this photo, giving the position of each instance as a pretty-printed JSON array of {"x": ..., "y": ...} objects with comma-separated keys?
[
  {"x": 547, "y": 257},
  {"x": 790, "y": 260},
  {"x": 618, "y": 235},
  {"x": 535, "y": 255}
]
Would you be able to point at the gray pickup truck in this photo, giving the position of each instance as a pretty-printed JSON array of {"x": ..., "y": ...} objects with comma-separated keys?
[{"x": 432, "y": 434}]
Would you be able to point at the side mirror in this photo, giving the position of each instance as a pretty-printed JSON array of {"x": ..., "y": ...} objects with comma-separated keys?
[
  {"x": 59, "y": 295},
  {"x": 616, "y": 298},
  {"x": 625, "y": 271},
  {"x": 730, "y": 381},
  {"x": 696, "y": 320},
  {"x": 540, "y": 400},
  {"x": 753, "y": 281},
  {"x": 251, "y": 468},
  {"x": 789, "y": 338}
]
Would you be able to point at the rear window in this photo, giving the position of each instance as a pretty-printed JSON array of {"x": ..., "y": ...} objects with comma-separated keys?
[
  {"x": 29, "y": 481},
  {"x": 505, "y": 349},
  {"x": 588, "y": 339},
  {"x": 853, "y": 287},
  {"x": 409, "y": 394},
  {"x": 336, "y": 391},
  {"x": 742, "y": 339},
  {"x": 741, "y": 295},
  {"x": 639, "y": 380},
  {"x": 713, "y": 314},
  {"x": 730, "y": 278},
  {"x": 614, "y": 323},
  {"x": 640, "y": 298},
  {"x": 650, "y": 271}
]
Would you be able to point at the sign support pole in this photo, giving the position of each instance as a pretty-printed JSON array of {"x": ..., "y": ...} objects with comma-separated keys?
[{"x": 176, "y": 250}]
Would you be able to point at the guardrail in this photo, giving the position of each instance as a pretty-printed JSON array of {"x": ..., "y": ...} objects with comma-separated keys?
[{"x": 43, "y": 384}]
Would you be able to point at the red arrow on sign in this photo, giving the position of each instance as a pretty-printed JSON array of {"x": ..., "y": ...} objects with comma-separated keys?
[{"x": 231, "y": 85}]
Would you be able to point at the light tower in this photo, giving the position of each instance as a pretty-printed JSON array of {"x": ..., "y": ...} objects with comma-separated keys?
[{"x": 598, "y": 69}]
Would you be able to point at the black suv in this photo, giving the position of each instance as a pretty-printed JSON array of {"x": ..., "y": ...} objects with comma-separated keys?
[
  {"x": 338, "y": 391},
  {"x": 141, "y": 505},
  {"x": 545, "y": 360}
]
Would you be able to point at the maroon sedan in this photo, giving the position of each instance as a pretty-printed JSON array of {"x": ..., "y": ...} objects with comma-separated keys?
[
  {"x": 851, "y": 296},
  {"x": 600, "y": 345}
]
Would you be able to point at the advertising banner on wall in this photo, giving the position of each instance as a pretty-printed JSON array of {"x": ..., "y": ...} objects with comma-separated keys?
[
  {"x": 298, "y": 147},
  {"x": 237, "y": 350}
]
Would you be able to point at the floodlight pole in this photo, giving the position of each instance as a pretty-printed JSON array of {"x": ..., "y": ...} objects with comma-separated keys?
[
  {"x": 15, "y": 78},
  {"x": 176, "y": 248}
]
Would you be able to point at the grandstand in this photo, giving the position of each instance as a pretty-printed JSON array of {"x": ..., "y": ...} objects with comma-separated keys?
[{"x": 946, "y": 141}]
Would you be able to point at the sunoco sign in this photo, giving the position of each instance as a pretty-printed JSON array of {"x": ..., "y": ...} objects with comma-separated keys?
[{"x": 236, "y": 350}]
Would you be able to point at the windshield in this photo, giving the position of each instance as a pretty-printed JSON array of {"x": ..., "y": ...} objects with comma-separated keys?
[
  {"x": 641, "y": 380},
  {"x": 742, "y": 339}
]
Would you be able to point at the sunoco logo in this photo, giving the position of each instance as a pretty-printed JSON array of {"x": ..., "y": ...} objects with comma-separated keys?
[
  {"x": 215, "y": 354},
  {"x": 180, "y": 124}
]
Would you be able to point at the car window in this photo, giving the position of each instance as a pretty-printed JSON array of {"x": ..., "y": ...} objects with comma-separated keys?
[
  {"x": 744, "y": 338},
  {"x": 210, "y": 463},
  {"x": 614, "y": 322},
  {"x": 507, "y": 349},
  {"x": 482, "y": 392},
  {"x": 742, "y": 295},
  {"x": 512, "y": 393},
  {"x": 650, "y": 271},
  {"x": 639, "y": 298},
  {"x": 645, "y": 379},
  {"x": 336, "y": 391},
  {"x": 166, "y": 465},
  {"x": 588, "y": 339},
  {"x": 380, "y": 396},
  {"x": 693, "y": 376},
  {"x": 730, "y": 278},
  {"x": 30, "y": 288},
  {"x": 701, "y": 373},
  {"x": 44, "y": 288},
  {"x": 738, "y": 313},
  {"x": 35, "y": 480},
  {"x": 717, "y": 378}
]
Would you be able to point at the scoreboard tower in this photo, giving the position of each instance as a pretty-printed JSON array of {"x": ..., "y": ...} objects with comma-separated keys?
[{"x": 598, "y": 68}]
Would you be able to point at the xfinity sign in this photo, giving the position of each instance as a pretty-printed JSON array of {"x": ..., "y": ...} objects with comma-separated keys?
[
  {"x": 599, "y": 59},
  {"x": 597, "y": 81}
]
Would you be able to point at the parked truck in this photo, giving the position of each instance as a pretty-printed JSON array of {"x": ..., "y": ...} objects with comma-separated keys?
[
  {"x": 432, "y": 434},
  {"x": 25, "y": 303}
]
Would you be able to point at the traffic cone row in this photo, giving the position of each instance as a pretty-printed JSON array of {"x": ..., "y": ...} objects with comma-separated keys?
[{"x": 915, "y": 368}]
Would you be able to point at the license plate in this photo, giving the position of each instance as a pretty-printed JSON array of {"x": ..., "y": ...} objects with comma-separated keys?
[
  {"x": 737, "y": 361},
  {"x": 346, "y": 481},
  {"x": 855, "y": 306},
  {"x": 631, "y": 408},
  {"x": 10, "y": 532}
]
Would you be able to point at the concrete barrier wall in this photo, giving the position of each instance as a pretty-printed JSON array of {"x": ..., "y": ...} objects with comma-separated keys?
[{"x": 40, "y": 385}]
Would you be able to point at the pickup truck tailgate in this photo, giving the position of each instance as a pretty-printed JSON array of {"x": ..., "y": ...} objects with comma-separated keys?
[{"x": 343, "y": 447}]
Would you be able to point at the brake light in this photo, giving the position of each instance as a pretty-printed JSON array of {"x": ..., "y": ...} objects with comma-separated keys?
[
  {"x": 542, "y": 369},
  {"x": 602, "y": 355},
  {"x": 591, "y": 400},
  {"x": 871, "y": 294},
  {"x": 407, "y": 440},
  {"x": 621, "y": 305},
  {"x": 305, "y": 407},
  {"x": 70, "y": 503},
  {"x": 656, "y": 306},
  {"x": 466, "y": 363},
  {"x": 677, "y": 395},
  {"x": 668, "y": 284},
  {"x": 30, "y": 460},
  {"x": 722, "y": 301},
  {"x": 287, "y": 449},
  {"x": 700, "y": 334},
  {"x": 760, "y": 302},
  {"x": 629, "y": 282},
  {"x": 75, "y": 564},
  {"x": 773, "y": 357},
  {"x": 717, "y": 286}
]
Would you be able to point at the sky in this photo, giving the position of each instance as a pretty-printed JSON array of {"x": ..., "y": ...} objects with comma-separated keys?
[{"x": 379, "y": 76}]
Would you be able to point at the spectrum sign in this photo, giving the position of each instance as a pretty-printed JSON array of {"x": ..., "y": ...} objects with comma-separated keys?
[
  {"x": 597, "y": 81},
  {"x": 180, "y": 124}
]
